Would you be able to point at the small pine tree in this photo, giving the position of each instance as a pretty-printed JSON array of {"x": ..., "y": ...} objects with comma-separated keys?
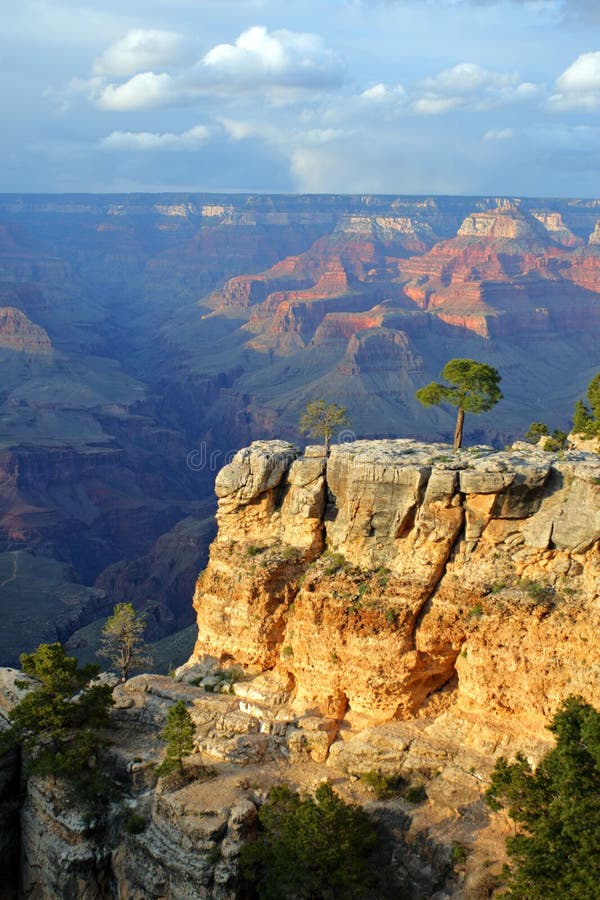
[
  {"x": 179, "y": 734},
  {"x": 123, "y": 641},
  {"x": 535, "y": 431},
  {"x": 321, "y": 420},
  {"x": 586, "y": 419}
]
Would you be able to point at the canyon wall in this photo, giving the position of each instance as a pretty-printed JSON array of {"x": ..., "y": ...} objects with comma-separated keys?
[{"x": 396, "y": 580}]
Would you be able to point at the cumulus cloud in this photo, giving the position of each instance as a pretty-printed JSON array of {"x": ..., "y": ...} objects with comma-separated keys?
[
  {"x": 578, "y": 87},
  {"x": 144, "y": 91},
  {"x": 470, "y": 85},
  {"x": 140, "y": 50},
  {"x": 148, "y": 140},
  {"x": 282, "y": 58}
]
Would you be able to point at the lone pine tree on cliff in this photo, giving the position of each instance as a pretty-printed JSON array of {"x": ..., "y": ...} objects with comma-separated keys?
[
  {"x": 321, "y": 420},
  {"x": 472, "y": 387},
  {"x": 123, "y": 640}
]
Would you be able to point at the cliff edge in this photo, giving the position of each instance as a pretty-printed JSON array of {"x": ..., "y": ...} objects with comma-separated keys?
[{"x": 399, "y": 580}]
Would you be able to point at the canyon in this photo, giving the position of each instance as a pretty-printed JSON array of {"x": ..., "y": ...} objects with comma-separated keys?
[
  {"x": 394, "y": 607},
  {"x": 145, "y": 338}
]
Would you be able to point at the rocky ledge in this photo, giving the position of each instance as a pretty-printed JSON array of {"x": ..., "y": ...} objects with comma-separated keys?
[{"x": 398, "y": 579}]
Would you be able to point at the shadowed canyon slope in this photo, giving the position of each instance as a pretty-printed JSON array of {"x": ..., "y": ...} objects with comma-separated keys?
[{"x": 144, "y": 338}]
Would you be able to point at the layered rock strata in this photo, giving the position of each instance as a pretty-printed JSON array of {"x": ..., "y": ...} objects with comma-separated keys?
[{"x": 369, "y": 581}]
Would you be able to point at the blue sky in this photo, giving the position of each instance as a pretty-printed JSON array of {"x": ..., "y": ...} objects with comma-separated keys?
[{"x": 377, "y": 96}]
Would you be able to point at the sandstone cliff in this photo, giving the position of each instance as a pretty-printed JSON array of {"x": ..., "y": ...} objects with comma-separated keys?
[{"x": 370, "y": 581}]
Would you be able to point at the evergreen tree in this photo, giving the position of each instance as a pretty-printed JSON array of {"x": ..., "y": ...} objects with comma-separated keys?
[
  {"x": 123, "y": 640},
  {"x": 58, "y": 723},
  {"x": 179, "y": 734},
  {"x": 472, "y": 387},
  {"x": 556, "y": 808},
  {"x": 586, "y": 420},
  {"x": 321, "y": 420},
  {"x": 309, "y": 848}
]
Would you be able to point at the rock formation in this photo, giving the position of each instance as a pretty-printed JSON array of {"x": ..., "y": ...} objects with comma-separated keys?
[{"x": 480, "y": 568}]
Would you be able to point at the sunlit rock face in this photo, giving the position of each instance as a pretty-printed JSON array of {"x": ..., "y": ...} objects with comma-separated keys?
[{"x": 372, "y": 579}]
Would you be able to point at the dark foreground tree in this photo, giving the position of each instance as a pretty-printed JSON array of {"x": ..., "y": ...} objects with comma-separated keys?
[
  {"x": 555, "y": 853},
  {"x": 586, "y": 419},
  {"x": 309, "y": 849},
  {"x": 179, "y": 734},
  {"x": 322, "y": 420},
  {"x": 472, "y": 387},
  {"x": 123, "y": 640},
  {"x": 58, "y": 723}
]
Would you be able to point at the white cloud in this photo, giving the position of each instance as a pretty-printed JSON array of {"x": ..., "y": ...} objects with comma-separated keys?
[
  {"x": 381, "y": 93},
  {"x": 148, "y": 140},
  {"x": 501, "y": 134},
  {"x": 433, "y": 106},
  {"x": 283, "y": 58},
  {"x": 144, "y": 91},
  {"x": 470, "y": 85},
  {"x": 140, "y": 50},
  {"x": 467, "y": 78},
  {"x": 578, "y": 87}
]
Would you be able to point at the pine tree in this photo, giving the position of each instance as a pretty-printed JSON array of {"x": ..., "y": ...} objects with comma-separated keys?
[
  {"x": 556, "y": 809},
  {"x": 321, "y": 420},
  {"x": 179, "y": 734},
  {"x": 472, "y": 387},
  {"x": 123, "y": 640}
]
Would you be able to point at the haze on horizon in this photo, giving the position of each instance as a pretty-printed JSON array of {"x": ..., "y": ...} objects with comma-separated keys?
[{"x": 347, "y": 96}]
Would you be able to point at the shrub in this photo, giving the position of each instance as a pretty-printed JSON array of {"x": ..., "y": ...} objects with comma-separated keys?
[
  {"x": 476, "y": 611},
  {"x": 416, "y": 793},
  {"x": 135, "y": 824},
  {"x": 309, "y": 848},
  {"x": 253, "y": 550},
  {"x": 334, "y": 562},
  {"x": 383, "y": 786}
]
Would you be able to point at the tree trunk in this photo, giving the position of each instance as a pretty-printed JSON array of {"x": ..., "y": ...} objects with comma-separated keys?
[
  {"x": 327, "y": 443},
  {"x": 458, "y": 431}
]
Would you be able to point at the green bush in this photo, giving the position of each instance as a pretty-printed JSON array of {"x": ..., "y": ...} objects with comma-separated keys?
[
  {"x": 135, "y": 824},
  {"x": 383, "y": 786},
  {"x": 334, "y": 562},
  {"x": 476, "y": 611},
  {"x": 253, "y": 550},
  {"x": 309, "y": 848},
  {"x": 556, "y": 810}
]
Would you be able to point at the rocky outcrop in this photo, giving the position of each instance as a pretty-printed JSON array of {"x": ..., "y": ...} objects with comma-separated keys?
[
  {"x": 478, "y": 568},
  {"x": 18, "y": 333}
]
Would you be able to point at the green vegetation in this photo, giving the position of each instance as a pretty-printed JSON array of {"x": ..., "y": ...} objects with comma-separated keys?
[
  {"x": 59, "y": 722},
  {"x": 472, "y": 387},
  {"x": 536, "y": 590},
  {"x": 309, "y": 848},
  {"x": 334, "y": 562},
  {"x": 179, "y": 734},
  {"x": 135, "y": 824},
  {"x": 322, "y": 420},
  {"x": 476, "y": 611},
  {"x": 556, "y": 811},
  {"x": 254, "y": 550},
  {"x": 123, "y": 642},
  {"x": 586, "y": 419},
  {"x": 553, "y": 443},
  {"x": 383, "y": 786}
]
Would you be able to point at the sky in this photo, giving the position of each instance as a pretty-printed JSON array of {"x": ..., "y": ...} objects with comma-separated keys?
[{"x": 496, "y": 97}]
